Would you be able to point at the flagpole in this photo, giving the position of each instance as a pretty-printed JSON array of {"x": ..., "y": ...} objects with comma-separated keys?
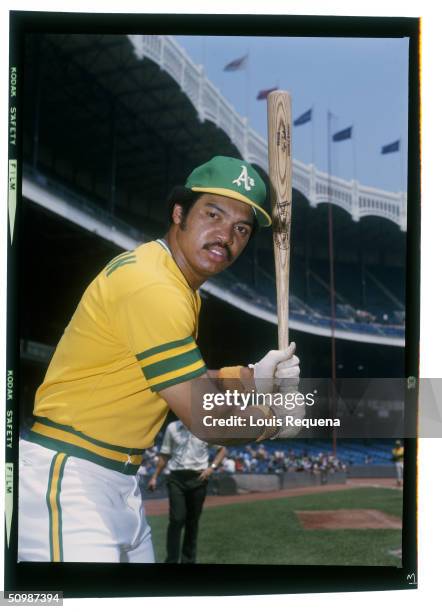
[
  {"x": 402, "y": 170},
  {"x": 203, "y": 52},
  {"x": 313, "y": 135},
  {"x": 255, "y": 263},
  {"x": 247, "y": 93},
  {"x": 332, "y": 279},
  {"x": 353, "y": 138}
]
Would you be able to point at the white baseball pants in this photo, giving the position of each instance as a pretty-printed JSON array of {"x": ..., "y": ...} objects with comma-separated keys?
[{"x": 71, "y": 509}]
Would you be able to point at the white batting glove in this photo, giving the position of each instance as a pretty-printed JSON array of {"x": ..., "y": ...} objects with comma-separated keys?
[
  {"x": 265, "y": 369},
  {"x": 287, "y": 374},
  {"x": 291, "y": 426}
]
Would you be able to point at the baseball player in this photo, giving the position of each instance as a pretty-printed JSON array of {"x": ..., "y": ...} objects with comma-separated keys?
[
  {"x": 398, "y": 458},
  {"x": 128, "y": 355},
  {"x": 187, "y": 459}
]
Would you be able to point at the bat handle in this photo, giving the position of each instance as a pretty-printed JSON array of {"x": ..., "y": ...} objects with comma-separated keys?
[{"x": 283, "y": 326}]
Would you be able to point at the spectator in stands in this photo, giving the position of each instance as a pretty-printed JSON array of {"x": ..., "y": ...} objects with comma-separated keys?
[
  {"x": 261, "y": 453},
  {"x": 239, "y": 465},
  {"x": 228, "y": 465},
  {"x": 306, "y": 463},
  {"x": 148, "y": 465},
  {"x": 323, "y": 471},
  {"x": 246, "y": 458},
  {"x": 264, "y": 460},
  {"x": 253, "y": 464}
]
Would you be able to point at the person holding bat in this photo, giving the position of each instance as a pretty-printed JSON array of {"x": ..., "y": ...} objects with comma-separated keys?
[{"x": 128, "y": 355}]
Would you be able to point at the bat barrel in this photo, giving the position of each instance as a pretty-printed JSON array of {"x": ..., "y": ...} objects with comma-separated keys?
[{"x": 279, "y": 120}]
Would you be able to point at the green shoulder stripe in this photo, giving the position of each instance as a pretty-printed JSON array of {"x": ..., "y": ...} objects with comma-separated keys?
[
  {"x": 130, "y": 259},
  {"x": 117, "y": 258}
]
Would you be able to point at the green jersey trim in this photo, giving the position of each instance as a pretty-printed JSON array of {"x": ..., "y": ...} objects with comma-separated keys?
[
  {"x": 71, "y": 430},
  {"x": 179, "y": 379},
  {"x": 172, "y": 364},
  {"x": 164, "y": 347},
  {"x": 76, "y": 451}
]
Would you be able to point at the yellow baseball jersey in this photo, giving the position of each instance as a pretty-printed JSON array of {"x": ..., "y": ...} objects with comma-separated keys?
[
  {"x": 398, "y": 453},
  {"x": 132, "y": 335}
]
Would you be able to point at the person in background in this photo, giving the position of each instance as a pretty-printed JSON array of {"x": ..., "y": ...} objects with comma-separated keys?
[
  {"x": 187, "y": 458},
  {"x": 398, "y": 458}
]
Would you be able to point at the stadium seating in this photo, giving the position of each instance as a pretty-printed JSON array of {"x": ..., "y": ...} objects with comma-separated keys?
[
  {"x": 317, "y": 311},
  {"x": 349, "y": 452}
]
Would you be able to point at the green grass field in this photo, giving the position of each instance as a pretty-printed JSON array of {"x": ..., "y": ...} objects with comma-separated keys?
[{"x": 268, "y": 532}]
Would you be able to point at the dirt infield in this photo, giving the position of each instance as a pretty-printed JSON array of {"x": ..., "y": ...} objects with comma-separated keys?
[
  {"x": 158, "y": 507},
  {"x": 348, "y": 519}
]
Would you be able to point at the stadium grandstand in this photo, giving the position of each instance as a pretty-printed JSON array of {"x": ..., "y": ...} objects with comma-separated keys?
[
  {"x": 275, "y": 465},
  {"x": 110, "y": 124}
]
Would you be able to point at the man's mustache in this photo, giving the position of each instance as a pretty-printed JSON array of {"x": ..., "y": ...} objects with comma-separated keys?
[{"x": 209, "y": 245}]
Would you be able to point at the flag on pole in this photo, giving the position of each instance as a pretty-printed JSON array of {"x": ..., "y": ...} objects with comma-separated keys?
[
  {"x": 262, "y": 95},
  {"x": 343, "y": 134},
  {"x": 236, "y": 64},
  {"x": 391, "y": 148},
  {"x": 304, "y": 118}
]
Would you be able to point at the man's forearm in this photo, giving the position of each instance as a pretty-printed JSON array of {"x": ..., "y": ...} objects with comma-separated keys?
[
  {"x": 162, "y": 462},
  {"x": 244, "y": 429},
  {"x": 232, "y": 378},
  {"x": 224, "y": 416},
  {"x": 219, "y": 457}
]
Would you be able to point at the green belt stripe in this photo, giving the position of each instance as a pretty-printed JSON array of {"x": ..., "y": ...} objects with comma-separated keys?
[
  {"x": 120, "y": 449},
  {"x": 172, "y": 364},
  {"x": 179, "y": 379},
  {"x": 164, "y": 347},
  {"x": 82, "y": 453}
]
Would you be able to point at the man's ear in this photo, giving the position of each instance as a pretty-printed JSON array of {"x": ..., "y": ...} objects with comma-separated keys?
[{"x": 177, "y": 214}]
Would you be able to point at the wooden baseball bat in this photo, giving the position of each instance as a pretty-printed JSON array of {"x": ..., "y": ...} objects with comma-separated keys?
[{"x": 279, "y": 122}]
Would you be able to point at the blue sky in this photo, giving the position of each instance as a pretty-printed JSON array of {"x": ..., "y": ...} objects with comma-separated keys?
[{"x": 362, "y": 81}]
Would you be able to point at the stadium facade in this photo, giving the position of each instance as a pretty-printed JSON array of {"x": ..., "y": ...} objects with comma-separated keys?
[{"x": 110, "y": 124}]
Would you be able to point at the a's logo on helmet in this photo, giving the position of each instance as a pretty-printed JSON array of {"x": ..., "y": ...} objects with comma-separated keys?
[{"x": 245, "y": 179}]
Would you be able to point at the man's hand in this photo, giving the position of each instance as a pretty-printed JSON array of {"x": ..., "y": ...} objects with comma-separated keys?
[
  {"x": 152, "y": 484},
  {"x": 286, "y": 378},
  {"x": 276, "y": 364},
  {"x": 289, "y": 429},
  {"x": 287, "y": 374},
  {"x": 205, "y": 474}
]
